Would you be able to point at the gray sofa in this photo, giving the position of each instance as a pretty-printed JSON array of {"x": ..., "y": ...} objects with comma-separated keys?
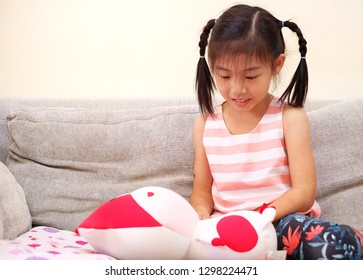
[{"x": 70, "y": 156}]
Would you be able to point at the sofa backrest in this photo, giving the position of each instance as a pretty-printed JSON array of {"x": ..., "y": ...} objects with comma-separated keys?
[{"x": 8, "y": 105}]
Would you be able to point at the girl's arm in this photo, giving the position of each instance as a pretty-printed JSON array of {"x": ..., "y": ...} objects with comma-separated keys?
[
  {"x": 201, "y": 197},
  {"x": 301, "y": 163}
]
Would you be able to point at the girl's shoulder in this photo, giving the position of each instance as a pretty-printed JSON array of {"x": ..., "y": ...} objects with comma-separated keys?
[
  {"x": 290, "y": 112},
  {"x": 199, "y": 124},
  {"x": 200, "y": 121},
  {"x": 294, "y": 118}
]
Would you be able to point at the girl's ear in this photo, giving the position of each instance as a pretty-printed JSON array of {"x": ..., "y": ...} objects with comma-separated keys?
[{"x": 279, "y": 63}]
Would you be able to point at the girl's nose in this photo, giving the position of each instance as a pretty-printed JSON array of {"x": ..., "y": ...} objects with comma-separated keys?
[{"x": 238, "y": 87}]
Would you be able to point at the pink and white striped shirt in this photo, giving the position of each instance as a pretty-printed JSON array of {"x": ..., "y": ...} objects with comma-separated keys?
[{"x": 248, "y": 169}]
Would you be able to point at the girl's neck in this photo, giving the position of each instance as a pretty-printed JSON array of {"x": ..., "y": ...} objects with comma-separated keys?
[{"x": 241, "y": 122}]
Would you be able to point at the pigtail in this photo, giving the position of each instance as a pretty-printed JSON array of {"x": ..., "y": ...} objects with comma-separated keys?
[
  {"x": 296, "y": 92},
  {"x": 204, "y": 82}
]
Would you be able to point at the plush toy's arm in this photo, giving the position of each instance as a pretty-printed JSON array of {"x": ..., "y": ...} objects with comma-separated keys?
[
  {"x": 268, "y": 213},
  {"x": 264, "y": 206}
]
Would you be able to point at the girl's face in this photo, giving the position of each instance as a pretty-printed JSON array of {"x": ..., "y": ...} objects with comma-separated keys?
[{"x": 244, "y": 83}]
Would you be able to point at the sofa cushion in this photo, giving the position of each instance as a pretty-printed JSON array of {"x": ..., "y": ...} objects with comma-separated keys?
[
  {"x": 70, "y": 161},
  {"x": 1, "y": 224},
  {"x": 337, "y": 141},
  {"x": 15, "y": 218}
]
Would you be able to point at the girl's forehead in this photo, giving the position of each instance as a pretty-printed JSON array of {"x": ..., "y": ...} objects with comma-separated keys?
[{"x": 240, "y": 62}]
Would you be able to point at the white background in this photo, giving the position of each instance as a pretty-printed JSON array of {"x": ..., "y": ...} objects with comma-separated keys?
[{"x": 148, "y": 48}]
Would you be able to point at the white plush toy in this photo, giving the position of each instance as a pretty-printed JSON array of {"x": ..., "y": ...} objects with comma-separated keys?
[{"x": 157, "y": 223}]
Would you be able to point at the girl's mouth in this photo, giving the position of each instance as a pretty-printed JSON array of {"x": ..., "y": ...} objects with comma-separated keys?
[{"x": 241, "y": 102}]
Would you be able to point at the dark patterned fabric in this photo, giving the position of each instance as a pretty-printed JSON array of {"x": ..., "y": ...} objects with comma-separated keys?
[{"x": 308, "y": 238}]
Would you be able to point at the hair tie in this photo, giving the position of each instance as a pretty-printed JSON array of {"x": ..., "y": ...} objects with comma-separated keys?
[
  {"x": 303, "y": 57},
  {"x": 282, "y": 23},
  {"x": 202, "y": 56}
]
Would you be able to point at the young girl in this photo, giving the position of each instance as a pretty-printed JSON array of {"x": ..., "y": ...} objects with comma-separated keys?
[{"x": 253, "y": 150}]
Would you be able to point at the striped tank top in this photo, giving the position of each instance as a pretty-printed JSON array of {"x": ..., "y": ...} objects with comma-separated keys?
[{"x": 249, "y": 169}]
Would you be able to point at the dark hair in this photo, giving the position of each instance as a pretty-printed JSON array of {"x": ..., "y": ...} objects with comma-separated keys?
[{"x": 251, "y": 31}]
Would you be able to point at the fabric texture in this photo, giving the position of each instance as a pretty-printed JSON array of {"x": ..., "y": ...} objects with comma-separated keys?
[
  {"x": 8, "y": 105},
  {"x": 1, "y": 223},
  {"x": 308, "y": 238},
  {"x": 337, "y": 142},
  {"x": 70, "y": 161},
  {"x": 47, "y": 243},
  {"x": 15, "y": 218}
]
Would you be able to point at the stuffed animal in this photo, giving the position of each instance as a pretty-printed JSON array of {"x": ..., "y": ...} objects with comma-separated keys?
[{"x": 157, "y": 223}]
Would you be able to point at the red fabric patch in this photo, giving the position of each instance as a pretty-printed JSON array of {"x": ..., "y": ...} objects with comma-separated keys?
[
  {"x": 237, "y": 233},
  {"x": 120, "y": 212}
]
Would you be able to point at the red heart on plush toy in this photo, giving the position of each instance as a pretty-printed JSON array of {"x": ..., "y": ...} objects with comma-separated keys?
[{"x": 237, "y": 233}]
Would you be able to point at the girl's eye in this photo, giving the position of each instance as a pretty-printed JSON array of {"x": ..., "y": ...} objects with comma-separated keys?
[
  {"x": 224, "y": 77},
  {"x": 251, "y": 77}
]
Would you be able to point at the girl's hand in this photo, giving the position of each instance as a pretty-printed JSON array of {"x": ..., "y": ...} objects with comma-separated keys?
[{"x": 202, "y": 212}]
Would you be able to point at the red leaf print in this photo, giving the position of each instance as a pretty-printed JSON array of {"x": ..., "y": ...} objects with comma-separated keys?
[
  {"x": 314, "y": 231},
  {"x": 292, "y": 240},
  {"x": 53, "y": 252},
  {"x": 360, "y": 236},
  {"x": 34, "y": 245}
]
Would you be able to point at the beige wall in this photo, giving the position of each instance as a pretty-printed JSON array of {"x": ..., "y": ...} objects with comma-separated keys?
[{"x": 145, "y": 48}]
